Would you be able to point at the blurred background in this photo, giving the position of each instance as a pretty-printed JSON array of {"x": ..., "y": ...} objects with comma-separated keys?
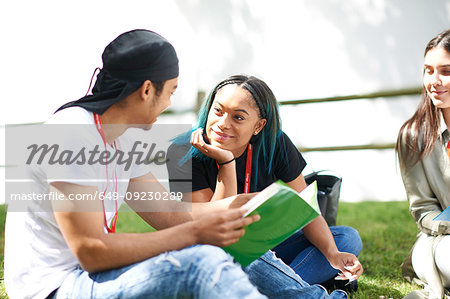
[{"x": 352, "y": 67}]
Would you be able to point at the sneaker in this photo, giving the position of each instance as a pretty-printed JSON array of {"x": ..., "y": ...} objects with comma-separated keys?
[{"x": 333, "y": 284}]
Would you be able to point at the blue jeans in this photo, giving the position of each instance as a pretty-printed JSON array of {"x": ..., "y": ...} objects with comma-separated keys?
[
  {"x": 195, "y": 272},
  {"x": 200, "y": 271},
  {"x": 277, "y": 280},
  {"x": 308, "y": 262}
]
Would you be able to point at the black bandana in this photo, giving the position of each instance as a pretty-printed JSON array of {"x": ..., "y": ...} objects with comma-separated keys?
[{"x": 128, "y": 61}]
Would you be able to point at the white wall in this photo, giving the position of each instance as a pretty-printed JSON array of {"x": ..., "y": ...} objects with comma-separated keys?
[{"x": 301, "y": 48}]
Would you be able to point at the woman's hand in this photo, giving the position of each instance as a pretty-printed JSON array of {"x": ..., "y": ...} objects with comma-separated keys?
[
  {"x": 226, "y": 182},
  {"x": 218, "y": 154},
  {"x": 434, "y": 227},
  {"x": 349, "y": 265},
  {"x": 442, "y": 227}
]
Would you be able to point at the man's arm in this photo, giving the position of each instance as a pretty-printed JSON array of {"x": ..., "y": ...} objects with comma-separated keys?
[
  {"x": 97, "y": 251},
  {"x": 159, "y": 214},
  {"x": 163, "y": 214}
]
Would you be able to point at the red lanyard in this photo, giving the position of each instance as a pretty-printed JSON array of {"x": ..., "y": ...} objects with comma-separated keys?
[
  {"x": 99, "y": 127},
  {"x": 248, "y": 168}
]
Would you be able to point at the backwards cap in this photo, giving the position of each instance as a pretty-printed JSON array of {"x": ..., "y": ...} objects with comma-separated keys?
[{"x": 128, "y": 61}]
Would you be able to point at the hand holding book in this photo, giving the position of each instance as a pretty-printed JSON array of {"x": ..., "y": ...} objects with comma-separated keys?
[
  {"x": 441, "y": 223},
  {"x": 283, "y": 212}
]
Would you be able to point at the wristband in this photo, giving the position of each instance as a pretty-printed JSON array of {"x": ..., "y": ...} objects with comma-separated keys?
[{"x": 220, "y": 164}]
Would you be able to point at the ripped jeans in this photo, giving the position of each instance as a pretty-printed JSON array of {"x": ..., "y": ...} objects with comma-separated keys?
[{"x": 200, "y": 271}]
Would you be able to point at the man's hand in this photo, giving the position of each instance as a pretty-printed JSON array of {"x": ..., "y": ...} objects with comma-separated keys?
[
  {"x": 222, "y": 228},
  {"x": 240, "y": 199}
]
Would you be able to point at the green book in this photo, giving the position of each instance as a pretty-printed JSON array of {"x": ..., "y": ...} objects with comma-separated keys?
[{"x": 283, "y": 211}]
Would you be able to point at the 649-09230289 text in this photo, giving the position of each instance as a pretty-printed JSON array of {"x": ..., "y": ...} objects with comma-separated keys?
[{"x": 56, "y": 196}]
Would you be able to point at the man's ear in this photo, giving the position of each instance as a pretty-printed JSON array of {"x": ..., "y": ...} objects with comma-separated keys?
[{"x": 146, "y": 89}]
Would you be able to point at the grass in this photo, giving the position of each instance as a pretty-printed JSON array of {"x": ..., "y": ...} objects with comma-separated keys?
[
  {"x": 128, "y": 222},
  {"x": 388, "y": 232},
  {"x": 386, "y": 228},
  {"x": 2, "y": 246}
]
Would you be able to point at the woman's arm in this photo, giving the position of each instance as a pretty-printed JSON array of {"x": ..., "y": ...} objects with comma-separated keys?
[
  {"x": 167, "y": 213},
  {"x": 423, "y": 204},
  {"x": 226, "y": 184},
  {"x": 318, "y": 233}
]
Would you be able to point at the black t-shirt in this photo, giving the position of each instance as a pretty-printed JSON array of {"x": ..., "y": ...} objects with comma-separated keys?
[{"x": 287, "y": 165}]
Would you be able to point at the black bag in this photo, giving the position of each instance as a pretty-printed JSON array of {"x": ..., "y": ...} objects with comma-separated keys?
[{"x": 329, "y": 190}]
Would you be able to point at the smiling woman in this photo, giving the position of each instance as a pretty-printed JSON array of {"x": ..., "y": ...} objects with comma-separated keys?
[
  {"x": 434, "y": 109},
  {"x": 424, "y": 161},
  {"x": 239, "y": 147},
  {"x": 233, "y": 120},
  {"x": 436, "y": 78}
]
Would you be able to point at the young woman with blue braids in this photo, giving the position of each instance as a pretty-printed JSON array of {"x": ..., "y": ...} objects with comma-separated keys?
[{"x": 238, "y": 147}]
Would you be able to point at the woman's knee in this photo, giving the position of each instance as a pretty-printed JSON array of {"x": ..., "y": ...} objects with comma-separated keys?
[
  {"x": 347, "y": 239},
  {"x": 442, "y": 259}
]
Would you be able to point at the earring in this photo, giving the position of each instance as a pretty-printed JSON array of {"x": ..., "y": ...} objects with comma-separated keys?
[{"x": 256, "y": 133}]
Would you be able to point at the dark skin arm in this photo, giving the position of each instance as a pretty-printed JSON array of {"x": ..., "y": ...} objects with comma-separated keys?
[
  {"x": 95, "y": 250},
  {"x": 317, "y": 232}
]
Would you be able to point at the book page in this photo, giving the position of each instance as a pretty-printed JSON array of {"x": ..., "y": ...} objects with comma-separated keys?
[
  {"x": 260, "y": 198},
  {"x": 283, "y": 211},
  {"x": 309, "y": 195}
]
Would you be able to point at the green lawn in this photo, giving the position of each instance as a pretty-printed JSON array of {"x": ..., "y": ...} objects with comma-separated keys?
[
  {"x": 2, "y": 246},
  {"x": 387, "y": 231}
]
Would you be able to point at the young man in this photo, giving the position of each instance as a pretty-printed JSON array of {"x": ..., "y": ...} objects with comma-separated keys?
[
  {"x": 67, "y": 253},
  {"x": 67, "y": 248}
]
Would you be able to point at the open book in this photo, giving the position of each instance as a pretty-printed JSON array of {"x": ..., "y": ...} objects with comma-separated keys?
[{"x": 283, "y": 211}]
